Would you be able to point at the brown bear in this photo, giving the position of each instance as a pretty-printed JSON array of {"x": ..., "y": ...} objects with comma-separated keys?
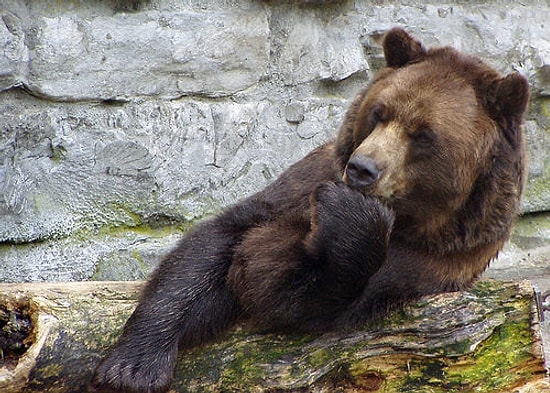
[{"x": 415, "y": 196}]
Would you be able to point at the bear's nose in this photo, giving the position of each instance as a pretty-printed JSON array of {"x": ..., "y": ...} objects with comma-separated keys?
[{"x": 361, "y": 171}]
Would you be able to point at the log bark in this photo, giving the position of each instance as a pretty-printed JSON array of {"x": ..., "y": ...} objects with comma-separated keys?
[{"x": 484, "y": 340}]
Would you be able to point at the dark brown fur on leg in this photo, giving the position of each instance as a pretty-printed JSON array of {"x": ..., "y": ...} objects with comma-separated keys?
[{"x": 190, "y": 281}]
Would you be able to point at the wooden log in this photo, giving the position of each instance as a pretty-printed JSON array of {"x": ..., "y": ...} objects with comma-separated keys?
[{"x": 483, "y": 340}]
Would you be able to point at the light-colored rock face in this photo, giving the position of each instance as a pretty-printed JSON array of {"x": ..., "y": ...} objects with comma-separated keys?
[{"x": 121, "y": 122}]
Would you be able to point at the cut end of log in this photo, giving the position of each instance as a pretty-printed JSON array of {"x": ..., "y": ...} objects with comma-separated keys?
[
  {"x": 57, "y": 332},
  {"x": 16, "y": 336},
  {"x": 23, "y": 331}
]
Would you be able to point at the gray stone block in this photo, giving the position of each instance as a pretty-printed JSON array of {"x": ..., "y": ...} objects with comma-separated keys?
[{"x": 82, "y": 56}]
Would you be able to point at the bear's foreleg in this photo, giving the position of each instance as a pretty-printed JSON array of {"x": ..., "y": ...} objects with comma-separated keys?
[
  {"x": 294, "y": 274},
  {"x": 185, "y": 303},
  {"x": 349, "y": 236}
]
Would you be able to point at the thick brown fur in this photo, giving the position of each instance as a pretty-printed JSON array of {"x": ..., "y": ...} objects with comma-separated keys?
[{"x": 415, "y": 196}]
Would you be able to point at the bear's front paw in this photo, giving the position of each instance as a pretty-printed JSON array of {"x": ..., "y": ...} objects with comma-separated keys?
[
  {"x": 332, "y": 196},
  {"x": 338, "y": 210},
  {"x": 123, "y": 371},
  {"x": 349, "y": 231}
]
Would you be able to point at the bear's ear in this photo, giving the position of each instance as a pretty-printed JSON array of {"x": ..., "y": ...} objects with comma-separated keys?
[
  {"x": 507, "y": 101},
  {"x": 508, "y": 96},
  {"x": 401, "y": 49}
]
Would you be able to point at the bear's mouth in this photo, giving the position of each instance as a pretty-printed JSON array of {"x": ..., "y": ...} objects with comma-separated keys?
[
  {"x": 366, "y": 190},
  {"x": 383, "y": 187}
]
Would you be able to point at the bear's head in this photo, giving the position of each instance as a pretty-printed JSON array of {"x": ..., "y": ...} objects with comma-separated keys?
[{"x": 437, "y": 136}]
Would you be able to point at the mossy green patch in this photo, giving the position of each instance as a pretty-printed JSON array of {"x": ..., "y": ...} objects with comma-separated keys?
[
  {"x": 49, "y": 371},
  {"x": 143, "y": 229},
  {"x": 322, "y": 357},
  {"x": 498, "y": 363},
  {"x": 247, "y": 361},
  {"x": 395, "y": 318},
  {"x": 494, "y": 364},
  {"x": 127, "y": 220},
  {"x": 545, "y": 111},
  {"x": 489, "y": 289},
  {"x": 130, "y": 263},
  {"x": 425, "y": 376}
]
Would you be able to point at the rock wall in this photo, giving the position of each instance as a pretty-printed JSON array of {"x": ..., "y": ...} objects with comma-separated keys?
[{"x": 122, "y": 122}]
